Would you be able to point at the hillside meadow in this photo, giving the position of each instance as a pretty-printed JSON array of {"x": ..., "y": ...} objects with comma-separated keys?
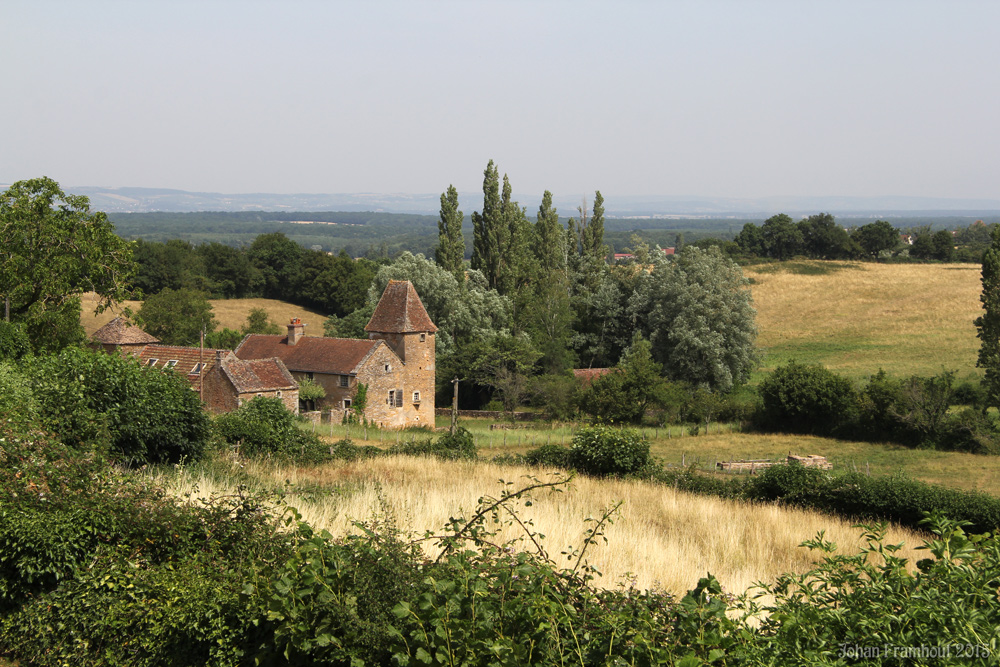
[
  {"x": 230, "y": 313},
  {"x": 857, "y": 317}
]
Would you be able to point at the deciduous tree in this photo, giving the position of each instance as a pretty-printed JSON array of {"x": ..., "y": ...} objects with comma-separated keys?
[
  {"x": 53, "y": 249},
  {"x": 988, "y": 324},
  {"x": 450, "y": 253},
  {"x": 177, "y": 317}
]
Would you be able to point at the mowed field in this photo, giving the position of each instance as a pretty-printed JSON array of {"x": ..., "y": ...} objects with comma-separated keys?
[
  {"x": 230, "y": 313},
  {"x": 854, "y": 317}
]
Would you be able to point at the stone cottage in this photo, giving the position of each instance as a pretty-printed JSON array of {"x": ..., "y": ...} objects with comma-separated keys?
[
  {"x": 395, "y": 363},
  {"x": 231, "y": 381}
]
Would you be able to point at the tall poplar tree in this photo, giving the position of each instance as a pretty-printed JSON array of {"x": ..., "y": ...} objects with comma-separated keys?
[
  {"x": 450, "y": 254},
  {"x": 593, "y": 232},
  {"x": 988, "y": 324},
  {"x": 488, "y": 232}
]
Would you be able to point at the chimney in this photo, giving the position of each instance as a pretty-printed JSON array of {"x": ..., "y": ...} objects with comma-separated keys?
[
  {"x": 295, "y": 331},
  {"x": 218, "y": 358}
]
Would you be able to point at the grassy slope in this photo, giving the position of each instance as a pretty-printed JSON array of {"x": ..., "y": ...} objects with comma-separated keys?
[
  {"x": 855, "y": 318},
  {"x": 231, "y": 313}
]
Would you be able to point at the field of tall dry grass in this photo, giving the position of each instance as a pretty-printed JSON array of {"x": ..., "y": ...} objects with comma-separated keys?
[
  {"x": 857, "y": 317},
  {"x": 660, "y": 537}
]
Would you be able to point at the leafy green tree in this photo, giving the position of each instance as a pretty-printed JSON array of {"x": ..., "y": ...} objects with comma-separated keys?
[
  {"x": 697, "y": 312},
  {"x": 547, "y": 315},
  {"x": 800, "y": 398},
  {"x": 450, "y": 254},
  {"x": 52, "y": 250},
  {"x": 225, "y": 339},
  {"x": 259, "y": 322},
  {"x": 944, "y": 245},
  {"x": 988, "y": 324},
  {"x": 923, "y": 246},
  {"x": 14, "y": 341},
  {"x": 229, "y": 271},
  {"x": 626, "y": 393},
  {"x": 782, "y": 237},
  {"x": 177, "y": 317},
  {"x": 549, "y": 239},
  {"x": 279, "y": 260},
  {"x": 751, "y": 240},
  {"x": 500, "y": 363},
  {"x": 876, "y": 237},
  {"x": 823, "y": 238}
]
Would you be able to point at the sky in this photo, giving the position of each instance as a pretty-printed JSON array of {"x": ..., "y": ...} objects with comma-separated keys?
[{"x": 710, "y": 98}]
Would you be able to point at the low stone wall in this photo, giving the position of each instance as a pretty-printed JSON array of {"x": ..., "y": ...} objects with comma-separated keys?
[{"x": 491, "y": 414}]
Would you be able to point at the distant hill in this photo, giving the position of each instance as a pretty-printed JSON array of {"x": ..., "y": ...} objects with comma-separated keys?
[{"x": 138, "y": 200}]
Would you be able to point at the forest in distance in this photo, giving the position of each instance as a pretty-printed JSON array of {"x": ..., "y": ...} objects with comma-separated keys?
[{"x": 375, "y": 234}]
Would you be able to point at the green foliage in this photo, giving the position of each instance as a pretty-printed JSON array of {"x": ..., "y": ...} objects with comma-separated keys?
[
  {"x": 603, "y": 451},
  {"x": 806, "y": 399},
  {"x": 449, "y": 447},
  {"x": 698, "y": 314},
  {"x": 626, "y": 393},
  {"x": 16, "y": 397},
  {"x": 556, "y": 395},
  {"x": 52, "y": 250},
  {"x": 177, "y": 317},
  {"x": 227, "y": 339},
  {"x": 450, "y": 253},
  {"x": 988, "y": 324},
  {"x": 140, "y": 415},
  {"x": 264, "y": 426},
  {"x": 868, "y": 606},
  {"x": 310, "y": 391},
  {"x": 550, "y": 455},
  {"x": 259, "y": 322},
  {"x": 14, "y": 341},
  {"x": 876, "y": 238}
]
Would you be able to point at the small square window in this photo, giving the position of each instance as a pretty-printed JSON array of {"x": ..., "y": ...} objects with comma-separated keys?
[
  {"x": 347, "y": 404},
  {"x": 309, "y": 376},
  {"x": 423, "y": 337},
  {"x": 388, "y": 368},
  {"x": 279, "y": 393},
  {"x": 392, "y": 397},
  {"x": 416, "y": 397},
  {"x": 344, "y": 381}
]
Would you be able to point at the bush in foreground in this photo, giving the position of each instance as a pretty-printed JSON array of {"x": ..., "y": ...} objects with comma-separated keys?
[{"x": 602, "y": 451}]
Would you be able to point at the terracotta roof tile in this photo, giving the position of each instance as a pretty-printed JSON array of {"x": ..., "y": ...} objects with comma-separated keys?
[
  {"x": 400, "y": 311},
  {"x": 311, "y": 354},
  {"x": 119, "y": 332},
  {"x": 253, "y": 375},
  {"x": 186, "y": 357},
  {"x": 586, "y": 376}
]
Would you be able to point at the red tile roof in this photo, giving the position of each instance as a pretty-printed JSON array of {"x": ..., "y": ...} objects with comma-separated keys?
[
  {"x": 311, "y": 354},
  {"x": 586, "y": 376},
  {"x": 254, "y": 375},
  {"x": 400, "y": 311},
  {"x": 186, "y": 357},
  {"x": 119, "y": 332}
]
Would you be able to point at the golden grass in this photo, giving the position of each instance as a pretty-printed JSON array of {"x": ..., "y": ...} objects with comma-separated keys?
[
  {"x": 230, "y": 313},
  {"x": 906, "y": 318},
  {"x": 663, "y": 538}
]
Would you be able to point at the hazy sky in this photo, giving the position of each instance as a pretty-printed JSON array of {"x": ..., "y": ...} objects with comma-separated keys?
[{"x": 729, "y": 99}]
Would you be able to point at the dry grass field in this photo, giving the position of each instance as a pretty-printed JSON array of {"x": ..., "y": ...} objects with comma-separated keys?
[
  {"x": 660, "y": 537},
  {"x": 231, "y": 313},
  {"x": 855, "y": 318}
]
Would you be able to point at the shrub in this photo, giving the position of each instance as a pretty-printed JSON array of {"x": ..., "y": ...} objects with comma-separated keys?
[
  {"x": 549, "y": 455},
  {"x": 462, "y": 445},
  {"x": 603, "y": 451},
  {"x": 264, "y": 426},
  {"x": 806, "y": 399},
  {"x": 14, "y": 341},
  {"x": 141, "y": 415}
]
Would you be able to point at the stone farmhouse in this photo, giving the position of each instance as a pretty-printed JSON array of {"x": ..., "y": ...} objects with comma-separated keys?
[
  {"x": 395, "y": 363},
  {"x": 222, "y": 380}
]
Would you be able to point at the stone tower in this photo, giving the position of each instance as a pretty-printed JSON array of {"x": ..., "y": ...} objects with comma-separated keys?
[{"x": 402, "y": 322}]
